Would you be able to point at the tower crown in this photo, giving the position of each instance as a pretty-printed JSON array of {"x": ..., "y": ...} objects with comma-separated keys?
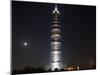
[{"x": 55, "y": 10}]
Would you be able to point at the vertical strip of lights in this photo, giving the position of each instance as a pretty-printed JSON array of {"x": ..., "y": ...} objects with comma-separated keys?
[{"x": 55, "y": 41}]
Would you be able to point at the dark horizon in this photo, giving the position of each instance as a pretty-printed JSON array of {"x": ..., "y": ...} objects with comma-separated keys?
[{"x": 31, "y": 23}]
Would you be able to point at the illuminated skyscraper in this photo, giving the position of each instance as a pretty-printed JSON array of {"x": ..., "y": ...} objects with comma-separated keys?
[{"x": 55, "y": 41}]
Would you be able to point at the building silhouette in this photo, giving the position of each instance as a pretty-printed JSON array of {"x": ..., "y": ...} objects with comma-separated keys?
[{"x": 55, "y": 53}]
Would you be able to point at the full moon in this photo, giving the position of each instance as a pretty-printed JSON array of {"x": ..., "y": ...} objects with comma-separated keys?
[{"x": 25, "y": 43}]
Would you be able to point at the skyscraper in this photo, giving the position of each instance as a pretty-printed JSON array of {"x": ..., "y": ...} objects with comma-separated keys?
[{"x": 55, "y": 41}]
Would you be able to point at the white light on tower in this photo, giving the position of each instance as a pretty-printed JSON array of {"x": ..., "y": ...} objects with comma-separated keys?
[{"x": 55, "y": 41}]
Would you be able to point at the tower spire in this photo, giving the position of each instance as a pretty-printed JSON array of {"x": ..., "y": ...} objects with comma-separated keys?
[
  {"x": 55, "y": 6},
  {"x": 56, "y": 10}
]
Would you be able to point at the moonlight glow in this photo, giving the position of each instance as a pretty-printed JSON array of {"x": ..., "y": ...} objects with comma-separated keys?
[{"x": 25, "y": 43}]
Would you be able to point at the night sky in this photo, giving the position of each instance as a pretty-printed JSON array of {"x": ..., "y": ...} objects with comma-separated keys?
[{"x": 31, "y": 23}]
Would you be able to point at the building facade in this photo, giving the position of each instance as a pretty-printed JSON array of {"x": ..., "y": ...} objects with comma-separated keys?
[{"x": 55, "y": 53}]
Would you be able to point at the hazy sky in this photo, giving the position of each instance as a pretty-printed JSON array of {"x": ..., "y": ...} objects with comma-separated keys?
[{"x": 31, "y": 23}]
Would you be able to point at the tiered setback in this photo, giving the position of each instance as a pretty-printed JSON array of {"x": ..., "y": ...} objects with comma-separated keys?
[{"x": 55, "y": 41}]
